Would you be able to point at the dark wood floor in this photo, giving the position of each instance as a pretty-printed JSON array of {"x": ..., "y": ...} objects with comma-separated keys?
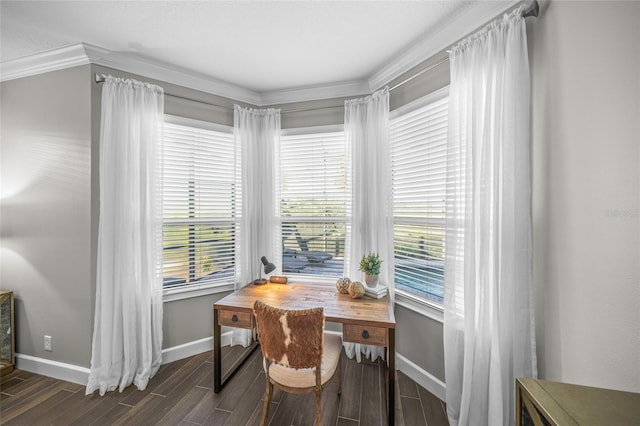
[{"x": 181, "y": 394}]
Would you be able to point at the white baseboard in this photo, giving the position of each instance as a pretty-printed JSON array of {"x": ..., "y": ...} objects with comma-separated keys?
[
  {"x": 421, "y": 377},
  {"x": 80, "y": 375},
  {"x": 57, "y": 370},
  {"x": 186, "y": 350},
  {"x": 196, "y": 347}
]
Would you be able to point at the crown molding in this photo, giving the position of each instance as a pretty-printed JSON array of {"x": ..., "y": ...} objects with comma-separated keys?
[
  {"x": 83, "y": 54},
  {"x": 47, "y": 61},
  {"x": 131, "y": 63},
  {"x": 430, "y": 44},
  {"x": 425, "y": 47},
  {"x": 315, "y": 93}
]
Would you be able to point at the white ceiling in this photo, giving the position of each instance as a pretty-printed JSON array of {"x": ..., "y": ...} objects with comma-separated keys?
[{"x": 262, "y": 46}]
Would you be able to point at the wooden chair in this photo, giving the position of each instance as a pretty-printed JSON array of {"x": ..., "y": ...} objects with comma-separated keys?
[{"x": 298, "y": 356}]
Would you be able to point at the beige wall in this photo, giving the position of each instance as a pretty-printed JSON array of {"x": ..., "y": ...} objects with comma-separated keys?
[
  {"x": 419, "y": 339},
  {"x": 45, "y": 214},
  {"x": 431, "y": 75},
  {"x": 585, "y": 62}
]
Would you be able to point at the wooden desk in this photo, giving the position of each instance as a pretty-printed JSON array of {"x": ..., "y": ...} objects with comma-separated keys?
[
  {"x": 542, "y": 403},
  {"x": 363, "y": 320}
]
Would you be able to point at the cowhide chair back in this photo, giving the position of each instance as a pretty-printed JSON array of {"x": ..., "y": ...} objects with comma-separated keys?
[{"x": 298, "y": 355}]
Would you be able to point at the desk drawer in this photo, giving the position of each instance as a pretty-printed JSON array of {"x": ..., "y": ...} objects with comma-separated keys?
[
  {"x": 366, "y": 334},
  {"x": 235, "y": 318}
]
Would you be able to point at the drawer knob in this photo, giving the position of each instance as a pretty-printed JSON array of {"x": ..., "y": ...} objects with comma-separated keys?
[
  {"x": 234, "y": 318},
  {"x": 365, "y": 334}
]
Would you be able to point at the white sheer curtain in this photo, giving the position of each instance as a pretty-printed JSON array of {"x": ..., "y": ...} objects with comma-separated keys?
[
  {"x": 488, "y": 314},
  {"x": 257, "y": 138},
  {"x": 127, "y": 334},
  {"x": 370, "y": 229}
]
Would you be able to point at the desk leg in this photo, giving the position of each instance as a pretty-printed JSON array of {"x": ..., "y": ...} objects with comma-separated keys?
[
  {"x": 217, "y": 354},
  {"x": 518, "y": 404},
  {"x": 391, "y": 390}
]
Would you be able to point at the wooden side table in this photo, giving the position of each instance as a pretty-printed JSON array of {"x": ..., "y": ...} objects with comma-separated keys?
[{"x": 542, "y": 403}]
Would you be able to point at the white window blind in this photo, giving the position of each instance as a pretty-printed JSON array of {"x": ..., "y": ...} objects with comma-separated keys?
[
  {"x": 199, "y": 204},
  {"x": 418, "y": 138},
  {"x": 313, "y": 202}
]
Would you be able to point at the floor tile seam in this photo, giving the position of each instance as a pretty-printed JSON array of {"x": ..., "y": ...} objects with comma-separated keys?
[
  {"x": 411, "y": 397},
  {"x": 349, "y": 418}
]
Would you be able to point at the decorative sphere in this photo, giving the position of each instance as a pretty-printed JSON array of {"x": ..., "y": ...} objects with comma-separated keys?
[
  {"x": 356, "y": 289},
  {"x": 343, "y": 285}
]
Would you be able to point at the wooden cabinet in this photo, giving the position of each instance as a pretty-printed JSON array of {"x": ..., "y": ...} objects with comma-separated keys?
[
  {"x": 542, "y": 402},
  {"x": 7, "y": 332}
]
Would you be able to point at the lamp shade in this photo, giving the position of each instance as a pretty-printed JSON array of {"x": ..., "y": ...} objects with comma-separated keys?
[{"x": 268, "y": 266}]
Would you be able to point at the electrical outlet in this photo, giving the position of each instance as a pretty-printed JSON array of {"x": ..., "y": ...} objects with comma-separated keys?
[{"x": 47, "y": 343}]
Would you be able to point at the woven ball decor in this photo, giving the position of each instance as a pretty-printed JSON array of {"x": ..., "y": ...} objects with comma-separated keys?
[
  {"x": 356, "y": 289},
  {"x": 343, "y": 285}
]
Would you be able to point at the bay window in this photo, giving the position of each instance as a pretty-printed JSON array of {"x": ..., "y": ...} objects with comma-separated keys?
[
  {"x": 199, "y": 194},
  {"x": 418, "y": 140},
  {"x": 313, "y": 195}
]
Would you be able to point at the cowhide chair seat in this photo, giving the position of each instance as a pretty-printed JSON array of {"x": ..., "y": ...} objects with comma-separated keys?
[{"x": 298, "y": 356}]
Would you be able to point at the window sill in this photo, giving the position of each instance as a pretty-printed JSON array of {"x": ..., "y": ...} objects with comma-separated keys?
[
  {"x": 420, "y": 306},
  {"x": 179, "y": 293}
]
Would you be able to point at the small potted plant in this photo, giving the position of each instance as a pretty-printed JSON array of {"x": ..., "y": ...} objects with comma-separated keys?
[{"x": 370, "y": 265}]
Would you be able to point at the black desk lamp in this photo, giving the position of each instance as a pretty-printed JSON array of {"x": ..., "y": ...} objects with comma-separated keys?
[{"x": 268, "y": 268}]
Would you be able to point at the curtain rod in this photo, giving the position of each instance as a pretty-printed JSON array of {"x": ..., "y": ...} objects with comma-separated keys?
[
  {"x": 391, "y": 89},
  {"x": 532, "y": 10},
  {"x": 100, "y": 78},
  {"x": 419, "y": 73}
]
